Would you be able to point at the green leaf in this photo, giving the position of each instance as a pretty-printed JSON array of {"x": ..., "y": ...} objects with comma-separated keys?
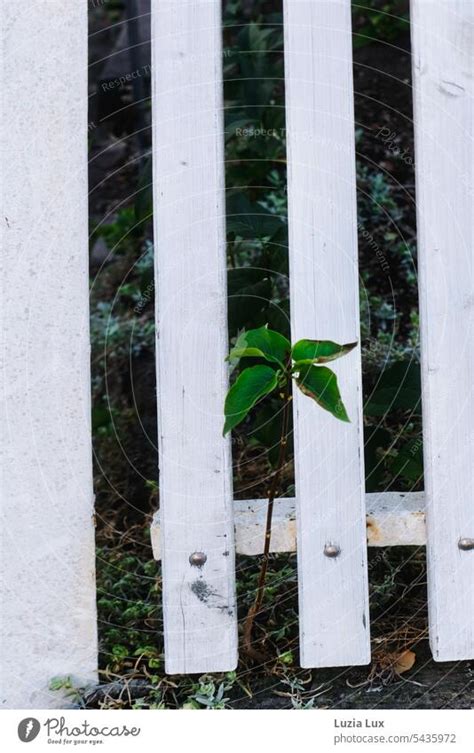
[
  {"x": 409, "y": 462},
  {"x": 319, "y": 351},
  {"x": 320, "y": 383},
  {"x": 262, "y": 343},
  {"x": 376, "y": 454},
  {"x": 250, "y": 221},
  {"x": 243, "y": 277},
  {"x": 278, "y": 252},
  {"x": 249, "y": 291},
  {"x": 399, "y": 388},
  {"x": 278, "y": 316},
  {"x": 237, "y": 119},
  {"x": 249, "y": 306},
  {"x": 250, "y": 387}
]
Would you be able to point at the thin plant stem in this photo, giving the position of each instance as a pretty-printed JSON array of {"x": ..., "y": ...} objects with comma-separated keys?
[{"x": 256, "y": 606}]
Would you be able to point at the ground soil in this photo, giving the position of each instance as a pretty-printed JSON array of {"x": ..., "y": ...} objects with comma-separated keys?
[{"x": 428, "y": 686}]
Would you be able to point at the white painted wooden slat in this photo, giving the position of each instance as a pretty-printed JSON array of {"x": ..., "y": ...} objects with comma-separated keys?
[
  {"x": 392, "y": 519},
  {"x": 334, "y": 618},
  {"x": 47, "y": 609},
  {"x": 195, "y": 462},
  {"x": 443, "y": 72}
]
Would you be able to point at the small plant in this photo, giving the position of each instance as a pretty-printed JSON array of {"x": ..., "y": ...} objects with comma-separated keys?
[
  {"x": 302, "y": 363},
  {"x": 206, "y": 693},
  {"x": 69, "y": 689}
]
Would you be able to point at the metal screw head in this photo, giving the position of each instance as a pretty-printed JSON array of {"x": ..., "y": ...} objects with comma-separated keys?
[
  {"x": 197, "y": 559},
  {"x": 465, "y": 544},
  {"x": 332, "y": 550}
]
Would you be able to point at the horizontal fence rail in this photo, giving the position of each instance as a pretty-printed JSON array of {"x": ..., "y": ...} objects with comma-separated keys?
[{"x": 392, "y": 519}]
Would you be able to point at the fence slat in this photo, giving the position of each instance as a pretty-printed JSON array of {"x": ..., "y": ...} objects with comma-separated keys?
[
  {"x": 47, "y": 611},
  {"x": 334, "y": 617},
  {"x": 443, "y": 69},
  {"x": 195, "y": 462}
]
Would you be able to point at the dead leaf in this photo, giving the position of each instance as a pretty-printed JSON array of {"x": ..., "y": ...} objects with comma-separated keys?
[{"x": 404, "y": 662}]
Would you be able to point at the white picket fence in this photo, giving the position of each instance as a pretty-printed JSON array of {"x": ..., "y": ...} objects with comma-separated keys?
[{"x": 48, "y": 613}]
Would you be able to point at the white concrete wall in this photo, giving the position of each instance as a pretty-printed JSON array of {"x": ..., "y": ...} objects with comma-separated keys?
[{"x": 47, "y": 605}]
